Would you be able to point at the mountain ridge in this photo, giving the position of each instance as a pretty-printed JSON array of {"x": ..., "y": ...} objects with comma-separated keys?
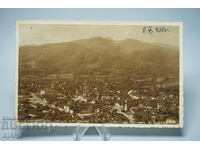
[{"x": 99, "y": 54}]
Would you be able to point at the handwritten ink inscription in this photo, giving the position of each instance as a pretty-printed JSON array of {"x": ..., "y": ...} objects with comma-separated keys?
[{"x": 151, "y": 29}]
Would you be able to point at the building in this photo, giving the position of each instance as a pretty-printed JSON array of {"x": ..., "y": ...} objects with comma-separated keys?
[{"x": 66, "y": 76}]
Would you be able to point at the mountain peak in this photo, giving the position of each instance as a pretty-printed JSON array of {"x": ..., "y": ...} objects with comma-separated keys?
[
  {"x": 97, "y": 38},
  {"x": 100, "y": 39}
]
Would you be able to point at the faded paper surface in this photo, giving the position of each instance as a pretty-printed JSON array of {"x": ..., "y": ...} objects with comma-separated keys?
[{"x": 126, "y": 74}]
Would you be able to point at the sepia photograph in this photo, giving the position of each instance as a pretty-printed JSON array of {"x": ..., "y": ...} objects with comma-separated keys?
[{"x": 116, "y": 74}]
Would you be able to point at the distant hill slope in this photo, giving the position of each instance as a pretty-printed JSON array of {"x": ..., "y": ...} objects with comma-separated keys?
[{"x": 100, "y": 55}]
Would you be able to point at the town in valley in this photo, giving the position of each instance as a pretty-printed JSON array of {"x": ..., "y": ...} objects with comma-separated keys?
[{"x": 77, "y": 82}]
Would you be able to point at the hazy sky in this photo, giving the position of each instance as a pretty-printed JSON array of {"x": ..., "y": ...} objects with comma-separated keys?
[{"x": 36, "y": 34}]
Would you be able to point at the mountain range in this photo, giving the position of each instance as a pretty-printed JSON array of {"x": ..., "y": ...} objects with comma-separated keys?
[{"x": 102, "y": 55}]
